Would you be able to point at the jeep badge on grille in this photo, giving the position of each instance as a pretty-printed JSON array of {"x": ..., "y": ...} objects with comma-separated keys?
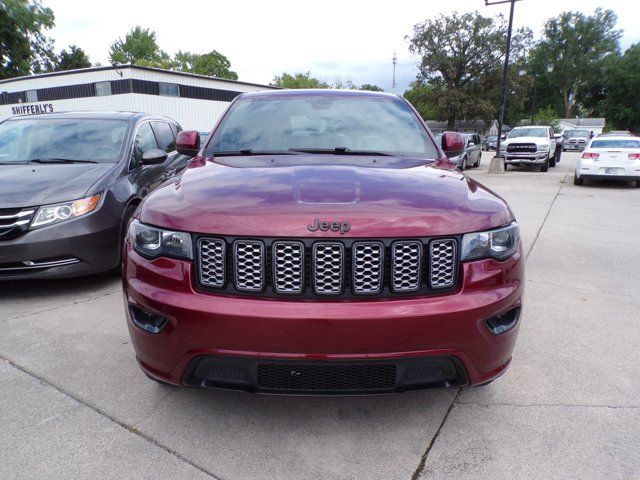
[{"x": 323, "y": 226}]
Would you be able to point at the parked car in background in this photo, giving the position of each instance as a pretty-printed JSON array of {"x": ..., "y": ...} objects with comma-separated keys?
[
  {"x": 69, "y": 182},
  {"x": 530, "y": 146},
  {"x": 615, "y": 133},
  {"x": 490, "y": 142},
  {"x": 321, "y": 243},
  {"x": 472, "y": 153},
  {"x": 610, "y": 157},
  {"x": 576, "y": 139}
]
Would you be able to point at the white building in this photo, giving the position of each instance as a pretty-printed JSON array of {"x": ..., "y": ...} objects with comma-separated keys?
[
  {"x": 595, "y": 125},
  {"x": 195, "y": 101}
]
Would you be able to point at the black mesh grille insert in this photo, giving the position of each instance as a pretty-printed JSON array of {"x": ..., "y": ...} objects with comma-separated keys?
[{"x": 327, "y": 378}]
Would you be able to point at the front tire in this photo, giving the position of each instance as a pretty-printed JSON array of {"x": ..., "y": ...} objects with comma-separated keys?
[
  {"x": 463, "y": 164},
  {"x": 545, "y": 166}
]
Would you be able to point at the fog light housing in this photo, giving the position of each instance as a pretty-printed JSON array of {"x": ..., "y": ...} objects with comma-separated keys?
[
  {"x": 504, "y": 322},
  {"x": 147, "y": 321}
]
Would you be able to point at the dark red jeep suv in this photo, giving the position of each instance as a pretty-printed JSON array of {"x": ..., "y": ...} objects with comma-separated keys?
[{"x": 322, "y": 243}]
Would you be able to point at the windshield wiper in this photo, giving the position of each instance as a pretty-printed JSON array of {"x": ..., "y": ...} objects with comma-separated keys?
[
  {"x": 59, "y": 160},
  {"x": 248, "y": 152},
  {"x": 340, "y": 151}
]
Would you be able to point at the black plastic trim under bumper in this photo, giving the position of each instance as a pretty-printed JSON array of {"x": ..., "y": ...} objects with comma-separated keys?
[{"x": 246, "y": 374}]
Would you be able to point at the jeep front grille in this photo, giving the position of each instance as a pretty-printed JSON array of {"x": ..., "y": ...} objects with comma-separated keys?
[{"x": 327, "y": 268}]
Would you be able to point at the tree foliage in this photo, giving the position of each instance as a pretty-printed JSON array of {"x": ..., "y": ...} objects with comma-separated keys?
[
  {"x": 74, "y": 58},
  {"x": 213, "y": 64},
  {"x": 24, "y": 47},
  {"x": 139, "y": 47},
  {"x": 620, "y": 102},
  {"x": 461, "y": 62},
  {"x": 371, "y": 87},
  {"x": 298, "y": 80},
  {"x": 577, "y": 46}
]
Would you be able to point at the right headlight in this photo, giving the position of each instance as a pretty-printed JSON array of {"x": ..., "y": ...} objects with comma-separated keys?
[
  {"x": 154, "y": 242},
  {"x": 499, "y": 244}
]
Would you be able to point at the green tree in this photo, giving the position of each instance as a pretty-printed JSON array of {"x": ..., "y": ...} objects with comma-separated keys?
[
  {"x": 139, "y": 47},
  {"x": 620, "y": 103},
  {"x": 213, "y": 64},
  {"x": 422, "y": 97},
  {"x": 371, "y": 87},
  {"x": 72, "y": 59},
  {"x": 461, "y": 60},
  {"x": 24, "y": 48},
  {"x": 298, "y": 80},
  {"x": 577, "y": 46}
]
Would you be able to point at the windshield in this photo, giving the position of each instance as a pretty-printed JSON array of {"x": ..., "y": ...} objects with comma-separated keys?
[
  {"x": 616, "y": 143},
  {"x": 577, "y": 133},
  {"x": 24, "y": 140},
  {"x": 528, "y": 132},
  {"x": 492, "y": 138},
  {"x": 328, "y": 122}
]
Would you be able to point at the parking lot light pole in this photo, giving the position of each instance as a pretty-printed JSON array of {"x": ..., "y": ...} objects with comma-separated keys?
[{"x": 503, "y": 96}]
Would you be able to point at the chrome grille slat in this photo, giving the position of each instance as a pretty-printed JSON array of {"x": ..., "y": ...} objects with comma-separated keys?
[
  {"x": 443, "y": 263},
  {"x": 344, "y": 267},
  {"x": 248, "y": 257},
  {"x": 406, "y": 263},
  {"x": 212, "y": 262},
  {"x": 367, "y": 267},
  {"x": 328, "y": 271},
  {"x": 288, "y": 266}
]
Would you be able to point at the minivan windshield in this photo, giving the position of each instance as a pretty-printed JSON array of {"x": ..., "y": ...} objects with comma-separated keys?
[
  {"x": 61, "y": 140},
  {"x": 528, "y": 132},
  {"x": 577, "y": 133},
  {"x": 317, "y": 123}
]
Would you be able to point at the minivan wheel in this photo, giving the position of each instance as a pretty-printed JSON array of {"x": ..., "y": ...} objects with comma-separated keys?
[{"x": 463, "y": 164}]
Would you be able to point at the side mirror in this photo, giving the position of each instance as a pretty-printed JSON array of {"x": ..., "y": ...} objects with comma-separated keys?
[
  {"x": 155, "y": 156},
  {"x": 452, "y": 143},
  {"x": 503, "y": 137},
  {"x": 188, "y": 143}
]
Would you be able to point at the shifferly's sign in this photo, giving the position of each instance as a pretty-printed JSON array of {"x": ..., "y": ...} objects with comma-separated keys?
[{"x": 32, "y": 109}]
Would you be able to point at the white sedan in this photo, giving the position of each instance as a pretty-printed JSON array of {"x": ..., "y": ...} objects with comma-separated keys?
[{"x": 610, "y": 157}]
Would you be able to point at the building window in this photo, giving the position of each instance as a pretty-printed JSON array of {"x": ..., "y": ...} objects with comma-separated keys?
[
  {"x": 103, "y": 89},
  {"x": 32, "y": 95},
  {"x": 169, "y": 89}
]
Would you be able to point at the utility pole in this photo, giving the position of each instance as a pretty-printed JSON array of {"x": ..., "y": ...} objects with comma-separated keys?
[
  {"x": 394, "y": 60},
  {"x": 505, "y": 72}
]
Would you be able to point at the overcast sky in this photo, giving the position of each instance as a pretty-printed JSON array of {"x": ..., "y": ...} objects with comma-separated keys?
[{"x": 344, "y": 39}]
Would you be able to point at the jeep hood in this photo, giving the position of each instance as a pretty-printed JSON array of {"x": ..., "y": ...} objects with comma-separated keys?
[
  {"x": 30, "y": 185},
  {"x": 279, "y": 196}
]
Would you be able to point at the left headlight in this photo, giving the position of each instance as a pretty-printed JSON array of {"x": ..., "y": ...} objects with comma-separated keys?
[
  {"x": 499, "y": 244},
  {"x": 60, "y": 212},
  {"x": 153, "y": 242}
]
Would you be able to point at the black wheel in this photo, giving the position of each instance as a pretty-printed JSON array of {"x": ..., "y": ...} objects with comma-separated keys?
[
  {"x": 558, "y": 154},
  {"x": 128, "y": 213},
  {"x": 545, "y": 166},
  {"x": 506, "y": 165},
  {"x": 580, "y": 181},
  {"x": 477, "y": 164},
  {"x": 552, "y": 161},
  {"x": 637, "y": 183},
  {"x": 463, "y": 164}
]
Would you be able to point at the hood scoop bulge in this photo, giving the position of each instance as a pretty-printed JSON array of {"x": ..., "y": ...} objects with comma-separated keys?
[{"x": 314, "y": 192}]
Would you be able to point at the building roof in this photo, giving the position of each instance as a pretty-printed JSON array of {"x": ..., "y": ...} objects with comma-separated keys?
[
  {"x": 584, "y": 122},
  {"x": 132, "y": 67}
]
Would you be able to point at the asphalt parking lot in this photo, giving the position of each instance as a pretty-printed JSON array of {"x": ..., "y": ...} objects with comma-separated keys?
[{"x": 74, "y": 404}]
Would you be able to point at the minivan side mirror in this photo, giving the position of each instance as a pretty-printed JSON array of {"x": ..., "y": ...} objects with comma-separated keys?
[
  {"x": 155, "y": 156},
  {"x": 188, "y": 143},
  {"x": 452, "y": 143}
]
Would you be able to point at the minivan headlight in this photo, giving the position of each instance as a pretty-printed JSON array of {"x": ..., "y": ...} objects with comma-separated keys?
[
  {"x": 153, "y": 242},
  {"x": 499, "y": 244},
  {"x": 60, "y": 212}
]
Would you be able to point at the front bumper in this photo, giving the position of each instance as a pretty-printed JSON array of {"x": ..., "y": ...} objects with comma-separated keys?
[
  {"x": 574, "y": 146},
  {"x": 82, "y": 246},
  {"x": 227, "y": 331},
  {"x": 538, "y": 158}
]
